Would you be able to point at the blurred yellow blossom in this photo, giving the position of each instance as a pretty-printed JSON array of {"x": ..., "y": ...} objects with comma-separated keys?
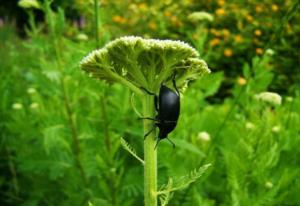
[
  {"x": 175, "y": 21},
  {"x": 258, "y": 32},
  {"x": 221, "y": 2},
  {"x": 238, "y": 38},
  {"x": 143, "y": 6},
  {"x": 275, "y": 7},
  {"x": 195, "y": 36},
  {"x": 228, "y": 52},
  {"x": 226, "y": 32},
  {"x": 152, "y": 25},
  {"x": 259, "y": 51},
  {"x": 249, "y": 18},
  {"x": 220, "y": 12},
  {"x": 167, "y": 13},
  {"x": 259, "y": 8},
  {"x": 118, "y": 19},
  {"x": 215, "y": 32},
  {"x": 214, "y": 42},
  {"x": 242, "y": 81}
]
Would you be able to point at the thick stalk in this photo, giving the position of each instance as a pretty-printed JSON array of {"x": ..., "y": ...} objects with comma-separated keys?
[{"x": 150, "y": 154}]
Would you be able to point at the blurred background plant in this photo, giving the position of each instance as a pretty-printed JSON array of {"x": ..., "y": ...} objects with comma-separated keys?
[{"x": 60, "y": 132}]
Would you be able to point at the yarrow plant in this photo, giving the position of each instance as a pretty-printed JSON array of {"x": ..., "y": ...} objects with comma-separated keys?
[
  {"x": 200, "y": 16},
  {"x": 269, "y": 97},
  {"x": 146, "y": 63}
]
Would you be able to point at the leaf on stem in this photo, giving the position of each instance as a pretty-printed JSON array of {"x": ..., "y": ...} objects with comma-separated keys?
[
  {"x": 132, "y": 151},
  {"x": 182, "y": 183}
]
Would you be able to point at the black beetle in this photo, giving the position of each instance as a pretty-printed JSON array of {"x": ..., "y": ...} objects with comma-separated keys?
[{"x": 167, "y": 105}]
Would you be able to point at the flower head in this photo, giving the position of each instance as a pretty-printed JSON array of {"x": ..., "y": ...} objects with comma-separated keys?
[
  {"x": 250, "y": 125},
  {"x": 204, "y": 136},
  {"x": 28, "y": 4},
  {"x": 138, "y": 62},
  {"x": 197, "y": 17},
  {"x": 17, "y": 106},
  {"x": 269, "y": 97},
  {"x": 31, "y": 90}
]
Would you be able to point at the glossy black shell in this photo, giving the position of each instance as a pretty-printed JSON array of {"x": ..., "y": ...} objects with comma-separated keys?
[{"x": 168, "y": 111}]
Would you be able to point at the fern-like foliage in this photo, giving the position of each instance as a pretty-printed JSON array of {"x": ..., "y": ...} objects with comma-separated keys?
[
  {"x": 166, "y": 191},
  {"x": 132, "y": 151}
]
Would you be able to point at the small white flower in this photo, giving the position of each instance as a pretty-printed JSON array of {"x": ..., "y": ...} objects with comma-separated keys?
[
  {"x": 31, "y": 90},
  {"x": 203, "y": 136},
  {"x": 34, "y": 105},
  {"x": 269, "y": 185},
  {"x": 17, "y": 106},
  {"x": 250, "y": 125},
  {"x": 269, "y": 97},
  {"x": 270, "y": 52},
  {"x": 276, "y": 129},
  {"x": 82, "y": 37}
]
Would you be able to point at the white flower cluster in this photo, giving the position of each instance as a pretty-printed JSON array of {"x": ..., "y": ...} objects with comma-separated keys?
[
  {"x": 269, "y": 97},
  {"x": 196, "y": 17}
]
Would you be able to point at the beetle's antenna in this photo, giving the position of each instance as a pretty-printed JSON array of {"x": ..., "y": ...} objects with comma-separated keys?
[
  {"x": 171, "y": 142},
  {"x": 146, "y": 135}
]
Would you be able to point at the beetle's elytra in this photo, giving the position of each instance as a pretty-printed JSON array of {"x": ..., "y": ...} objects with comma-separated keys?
[{"x": 167, "y": 105}]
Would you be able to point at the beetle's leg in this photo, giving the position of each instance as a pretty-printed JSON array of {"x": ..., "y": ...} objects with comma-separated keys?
[
  {"x": 174, "y": 84},
  {"x": 149, "y": 118},
  {"x": 148, "y": 92},
  {"x": 171, "y": 142},
  {"x": 157, "y": 141},
  {"x": 146, "y": 135}
]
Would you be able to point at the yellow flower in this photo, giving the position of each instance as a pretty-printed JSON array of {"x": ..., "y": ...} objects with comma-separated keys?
[
  {"x": 249, "y": 18},
  {"x": 167, "y": 13},
  {"x": 152, "y": 25},
  {"x": 228, "y": 52},
  {"x": 238, "y": 38},
  {"x": 242, "y": 81},
  {"x": 258, "y": 32},
  {"x": 214, "y": 42},
  {"x": 143, "y": 6},
  {"x": 220, "y": 12},
  {"x": 259, "y": 51},
  {"x": 275, "y": 7},
  {"x": 226, "y": 32},
  {"x": 175, "y": 21},
  {"x": 195, "y": 36},
  {"x": 259, "y": 8},
  {"x": 215, "y": 32},
  {"x": 221, "y": 2},
  {"x": 118, "y": 19}
]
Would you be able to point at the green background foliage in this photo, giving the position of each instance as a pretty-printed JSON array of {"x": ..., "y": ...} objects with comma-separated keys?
[{"x": 60, "y": 130}]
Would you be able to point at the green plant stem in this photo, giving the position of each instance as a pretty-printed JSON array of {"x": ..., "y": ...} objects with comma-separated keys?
[
  {"x": 96, "y": 11},
  {"x": 150, "y": 154}
]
